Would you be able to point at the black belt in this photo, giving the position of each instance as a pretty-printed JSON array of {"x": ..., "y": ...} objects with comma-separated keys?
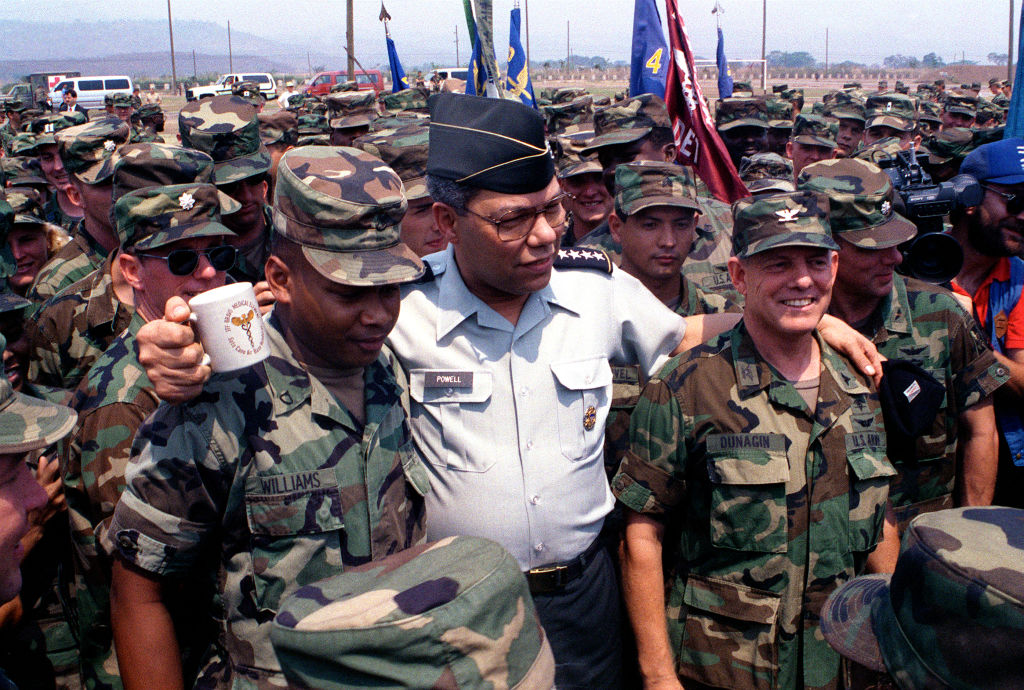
[{"x": 553, "y": 578}]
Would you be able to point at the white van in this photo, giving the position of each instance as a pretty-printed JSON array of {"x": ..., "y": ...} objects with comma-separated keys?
[
  {"x": 91, "y": 90},
  {"x": 449, "y": 73}
]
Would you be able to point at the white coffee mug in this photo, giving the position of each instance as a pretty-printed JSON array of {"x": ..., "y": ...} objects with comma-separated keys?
[{"x": 230, "y": 327}]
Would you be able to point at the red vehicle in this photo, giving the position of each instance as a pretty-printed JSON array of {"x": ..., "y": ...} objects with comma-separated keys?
[{"x": 322, "y": 82}]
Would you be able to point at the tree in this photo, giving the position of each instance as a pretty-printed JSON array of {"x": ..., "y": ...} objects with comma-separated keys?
[
  {"x": 998, "y": 58},
  {"x": 798, "y": 60},
  {"x": 901, "y": 62},
  {"x": 931, "y": 60}
]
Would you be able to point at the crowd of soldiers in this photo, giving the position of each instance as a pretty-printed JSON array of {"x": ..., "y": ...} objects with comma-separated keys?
[{"x": 539, "y": 409}]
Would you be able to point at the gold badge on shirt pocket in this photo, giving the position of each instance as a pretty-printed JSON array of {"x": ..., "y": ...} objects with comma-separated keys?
[{"x": 590, "y": 418}]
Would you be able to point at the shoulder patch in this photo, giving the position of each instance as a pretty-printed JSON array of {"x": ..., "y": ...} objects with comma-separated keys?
[{"x": 583, "y": 258}]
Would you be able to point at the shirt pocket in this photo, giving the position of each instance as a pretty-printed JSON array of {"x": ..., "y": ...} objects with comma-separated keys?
[
  {"x": 728, "y": 634},
  {"x": 870, "y": 474},
  {"x": 457, "y": 411},
  {"x": 583, "y": 389},
  {"x": 748, "y": 499},
  {"x": 296, "y": 522}
]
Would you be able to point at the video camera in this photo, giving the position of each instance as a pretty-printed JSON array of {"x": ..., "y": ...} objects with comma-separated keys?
[{"x": 932, "y": 255}]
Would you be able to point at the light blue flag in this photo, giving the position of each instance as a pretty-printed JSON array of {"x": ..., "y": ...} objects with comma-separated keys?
[{"x": 517, "y": 81}]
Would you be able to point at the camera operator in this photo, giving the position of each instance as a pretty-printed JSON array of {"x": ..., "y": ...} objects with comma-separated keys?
[{"x": 992, "y": 237}]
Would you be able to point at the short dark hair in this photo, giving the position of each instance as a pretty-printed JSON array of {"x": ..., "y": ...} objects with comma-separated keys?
[
  {"x": 660, "y": 136},
  {"x": 72, "y": 92},
  {"x": 451, "y": 193}
]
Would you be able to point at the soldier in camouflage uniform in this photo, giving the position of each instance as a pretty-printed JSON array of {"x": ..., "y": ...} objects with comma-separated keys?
[
  {"x": 59, "y": 209},
  {"x": 249, "y": 91},
  {"x": 297, "y": 468},
  {"x": 562, "y": 116},
  {"x": 115, "y": 395},
  {"x": 279, "y": 132},
  {"x": 350, "y": 115},
  {"x": 766, "y": 173},
  {"x": 780, "y": 124},
  {"x": 312, "y": 130},
  {"x": 812, "y": 141},
  {"x": 14, "y": 110},
  {"x": 950, "y": 616},
  {"x": 581, "y": 179},
  {"x": 226, "y": 128},
  {"x": 124, "y": 106},
  {"x": 75, "y": 326},
  {"x": 147, "y": 123},
  {"x": 411, "y": 102},
  {"x": 891, "y": 122},
  {"x": 85, "y": 152},
  {"x": 929, "y": 118},
  {"x": 764, "y": 452},
  {"x": 954, "y": 463},
  {"x": 481, "y": 630},
  {"x": 946, "y": 151},
  {"x": 743, "y": 125},
  {"x": 30, "y": 238},
  {"x": 405, "y": 151},
  {"x": 959, "y": 110}
]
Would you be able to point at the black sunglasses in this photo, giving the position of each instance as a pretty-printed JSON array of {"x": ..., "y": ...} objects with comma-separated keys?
[
  {"x": 182, "y": 262},
  {"x": 1014, "y": 202}
]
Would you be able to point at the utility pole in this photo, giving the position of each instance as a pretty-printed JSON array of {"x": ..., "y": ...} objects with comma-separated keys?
[
  {"x": 309, "y": 64},
  {"x": 231, "y": 61},
  {"x": 457, "y": 45},
  {"x": 174, "y": 70},
  {"x": 195, "y": 72},
  {"x": 764, "y": 25},
  {"x": 350, "y": 35},
  {"x": 1009, "y": 48}
]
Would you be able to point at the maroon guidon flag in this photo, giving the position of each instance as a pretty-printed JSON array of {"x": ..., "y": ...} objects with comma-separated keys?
[{"x": 697, "y": 140}]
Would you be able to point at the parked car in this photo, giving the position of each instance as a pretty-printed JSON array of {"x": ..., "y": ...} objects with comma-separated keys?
[
  {"x": 448, "y": 73},
  {"x": 91, "y": 90},
  {"x": 321, "y": 82},
  {"x": 268, "y": 87}
]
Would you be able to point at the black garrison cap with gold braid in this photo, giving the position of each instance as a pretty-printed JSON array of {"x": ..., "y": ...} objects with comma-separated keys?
[{"x": 488, "y": 143}]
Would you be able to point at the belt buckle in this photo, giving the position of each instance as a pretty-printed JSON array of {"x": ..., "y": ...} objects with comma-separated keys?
[{"x": 547, "y": 578}]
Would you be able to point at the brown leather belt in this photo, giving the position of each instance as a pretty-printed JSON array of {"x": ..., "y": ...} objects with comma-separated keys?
[{"x": 548, "y": 579}]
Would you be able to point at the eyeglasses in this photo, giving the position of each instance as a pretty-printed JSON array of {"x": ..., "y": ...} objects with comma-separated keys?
[
  {"x": 1014, "y": 202},
  {"x": 517, "y": 223},
  {"x": 182, "y": 262}
]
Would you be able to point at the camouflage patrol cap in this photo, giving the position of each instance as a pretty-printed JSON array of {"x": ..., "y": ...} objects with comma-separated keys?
[
  {"x": 813, "y": 130},
  {"x": 86, "y": 150},
  {"x": 742, "y": 89},
  {"x": 148, "y": 110},
  {"x": 344, "y": 86},
  {"x": 951, "y": 144},
  {"x": 27, "y": 205},
  {"x": 225, "y": 128},
  {"x": 890, "y": 110},
  {"x": 153, "y": 217},
  {"x": 643, "y": 184},
  {"x": 628, "y": 121},
  {"x": 741, "y": 112},
  {"x": 767, "y": 172},
  {"x": 355, "y": 109},
  {"x": 779, "y": 88},
  {"x": 25, "y": 144},
  {"x": 45, "y": 128},
  {"x": 28, "y": 423},
  {"x": 818, "y": 108},
  {"x": 22, "y": 170},
  {"x": 952, "y": 613},
  {"x": 279, "y": 127},
  {"x": 567, "y": 94},
  {"x": 14, "y": 105},
  {"x": 108, "y": 100},
  {"x": 851, "y": 85},
  {"x": 456, "y": 613},
  {"x": 860, "y": 199},
  {"x": 312, "y": 123},
  {"x": 929, "y": 111},
  {"x": 568, "y": 159},
  {"x": 961, "y": 104},
  {"x": 846, "y": 105},
  {"x": 579, "y": 114},
  {"x": 344, "y": 207},
  {"x": 795, "y": 219},
  {"x": 780, "y": 113},
  {"x": 901, "y": 87},
  {"x": 249, "y": 90},
  {"x": 405, "y": 151},
  {"x": 121, "y": 100},
  {"x": 406, "y": 100}
]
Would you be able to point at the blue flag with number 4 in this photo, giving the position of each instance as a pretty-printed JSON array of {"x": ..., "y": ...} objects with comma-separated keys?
[{"x": 649, "y": 66}]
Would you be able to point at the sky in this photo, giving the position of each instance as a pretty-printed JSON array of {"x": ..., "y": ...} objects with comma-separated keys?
[{"x": 424, "y": 30}]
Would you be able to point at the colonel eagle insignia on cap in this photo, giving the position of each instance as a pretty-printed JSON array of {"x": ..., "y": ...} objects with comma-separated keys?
[{"x": 787, "y": 215}]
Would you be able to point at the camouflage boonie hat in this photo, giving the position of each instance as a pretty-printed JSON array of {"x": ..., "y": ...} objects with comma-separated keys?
[
  {"x": 577, "y": 114},
  {"x": 148, "y": 110},
  {"x": 741, "y": 112},
  {"x": 14, "y": 105},
  {"x": 21, "y": 170},
  {"x": 344, "y": 207},
  {"x": 412, "y": 100},
  {"x": 951, "y": 144},
  {"x": 961, "y": 104},
  {"x": 27, "y": 205},
  {"x": 249, "y": 90},
  {"x": 86, "y": 150},
  {"x": 568, "y": 159},
  {"x": 279, "y": 127},
  {"x": 628, "y": 121},
  {"x": 780, "y": 113},
  {"x": 121, "y": 100},
  {"x": 405, "y": 152},
  {"x": 890, "y": 110},
  {"x": 226, "y": 129},
  {"x": 794, "y": 219},
  {"x": 344, "y": 86},
  {"x": 952, "y": 613},
  {"x": 860, "y": 200},
  {"x": 347, "y": 110},
  {"x": 643, "y": 184},
  {"x": 813, "y": 130},
  {"x": 767, "y": 172},
  {"x": 152, "y": 164},
  {"x": 28, "y": 423},
  {"x": 930, "y": 112},
  {"x": 456, "y": 613},
  {"x": 153, "y": 217},
  {"x": 45, "y": 128}
]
